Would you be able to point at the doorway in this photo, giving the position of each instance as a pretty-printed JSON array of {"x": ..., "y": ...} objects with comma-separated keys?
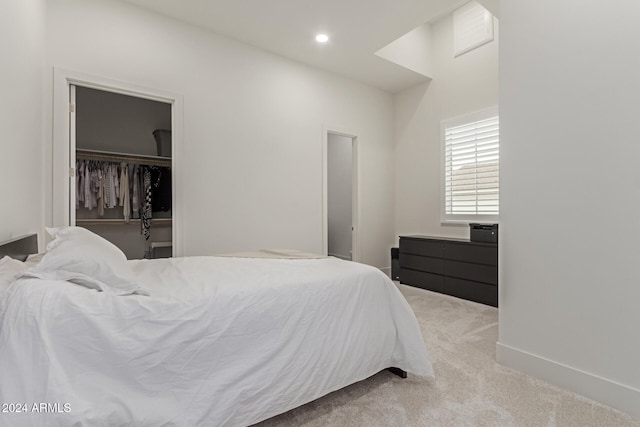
[
  {"x": 341, "y": 195},
  {"x": 66, "y": 146},
  {"x": 115, "y": 139}
]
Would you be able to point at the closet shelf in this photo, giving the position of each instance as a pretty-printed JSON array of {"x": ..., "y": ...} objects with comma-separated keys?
[
  {"x": 108, "y": 155},
  {"x": 115, "y": 221}
]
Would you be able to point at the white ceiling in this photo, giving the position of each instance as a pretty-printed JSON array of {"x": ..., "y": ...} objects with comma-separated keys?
[{"x": 358, "y": 28}]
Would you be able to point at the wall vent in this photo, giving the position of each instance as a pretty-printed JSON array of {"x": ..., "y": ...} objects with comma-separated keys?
[{"x": 472, "y": 27}]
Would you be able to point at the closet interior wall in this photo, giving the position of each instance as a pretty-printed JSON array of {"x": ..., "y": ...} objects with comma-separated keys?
[{"x": 116, "y": 123}]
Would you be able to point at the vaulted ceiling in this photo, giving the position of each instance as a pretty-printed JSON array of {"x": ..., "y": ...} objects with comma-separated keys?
[{"x": 357, "y": 30}]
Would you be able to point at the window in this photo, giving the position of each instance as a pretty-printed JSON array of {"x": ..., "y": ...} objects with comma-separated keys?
[{"x": 471, "y": 154}]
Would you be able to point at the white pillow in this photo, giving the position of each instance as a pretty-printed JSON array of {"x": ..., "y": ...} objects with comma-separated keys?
[
  {"x": 9, "y": 269},
  {"x": 79, "y": 256}
]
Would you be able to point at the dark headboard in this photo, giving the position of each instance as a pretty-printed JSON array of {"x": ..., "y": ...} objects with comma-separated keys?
[{"x": 20, "y": 247}]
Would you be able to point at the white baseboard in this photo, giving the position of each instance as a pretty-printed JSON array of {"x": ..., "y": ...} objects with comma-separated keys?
[{"x": 610, "y": 393}]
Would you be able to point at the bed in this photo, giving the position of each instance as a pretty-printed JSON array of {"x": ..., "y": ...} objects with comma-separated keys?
[{"x": 88, "y": 338}]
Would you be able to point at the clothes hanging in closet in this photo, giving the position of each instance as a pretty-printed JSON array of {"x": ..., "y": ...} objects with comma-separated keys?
[
  {"x": 124, "y": 192},
  {"x": 161, "y": 189},
  {"x": 138, "y": 189},
  {"x": 145, "y": 210}
]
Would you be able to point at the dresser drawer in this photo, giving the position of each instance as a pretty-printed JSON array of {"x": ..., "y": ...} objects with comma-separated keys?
[
  {"x": 479, "y": 254},
  {"x": 475, "y": 272},
  {"x": 470, "y": 290},
  {"x": 430, "y": 248},
  {"x": 457, "y": 267},
  {"x": 422, "y": 263},
  {"x": 432, "y": 282}
]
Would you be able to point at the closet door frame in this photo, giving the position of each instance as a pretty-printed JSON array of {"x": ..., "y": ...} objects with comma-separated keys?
[{"x": 63, "y": 153}]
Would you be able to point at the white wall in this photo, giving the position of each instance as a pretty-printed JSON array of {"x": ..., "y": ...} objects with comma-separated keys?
[
  {"x": 253, "y": 126},
  {"x": 412, "y": 50},
  {"x": 570, "y": 195},
  {"x": 21, "y": 159},
  {"x": 339, "y": 195},
  {"x": 460, "y": 85}
]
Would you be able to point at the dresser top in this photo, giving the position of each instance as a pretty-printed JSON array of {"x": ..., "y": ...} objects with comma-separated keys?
[{"x": 447, "y": 239}]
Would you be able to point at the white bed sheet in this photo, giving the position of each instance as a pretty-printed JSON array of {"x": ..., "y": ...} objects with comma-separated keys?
[{"x": 220, "y": 342}]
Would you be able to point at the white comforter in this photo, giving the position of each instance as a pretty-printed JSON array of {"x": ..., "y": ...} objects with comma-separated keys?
[{"x": 220, "y": 342}]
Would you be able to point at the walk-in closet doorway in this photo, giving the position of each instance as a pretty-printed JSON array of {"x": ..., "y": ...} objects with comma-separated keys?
[{"x": 115, "y": 155}]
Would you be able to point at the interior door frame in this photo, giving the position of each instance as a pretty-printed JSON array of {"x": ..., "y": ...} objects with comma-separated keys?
[
  {"x": 63, "y": 154},
  {"x": 355, "y": 199}
]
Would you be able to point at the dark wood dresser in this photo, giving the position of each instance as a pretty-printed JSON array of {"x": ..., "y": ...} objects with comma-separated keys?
[{"x": 457, "y": 267}]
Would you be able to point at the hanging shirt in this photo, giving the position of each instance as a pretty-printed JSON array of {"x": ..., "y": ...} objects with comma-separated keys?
[
  {"x": 87, "y": 187},
  {"x": 161, "y": 189},
  {"x": 135, "y": 198},
  {"x": 106, "y": 185},
  {"x": 113, "y": 195},
  {"x": 79, "y": 183},
  {"x": 124, "y": 192},
  {"x": 145, "y": 222},
  {"x": 116, "y": 184},
  {"x": 94, "y": 186},
  {"x": 100, "y": 197}
]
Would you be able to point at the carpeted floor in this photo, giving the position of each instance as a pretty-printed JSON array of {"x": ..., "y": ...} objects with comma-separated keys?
[{"x": 470, "y": 388}]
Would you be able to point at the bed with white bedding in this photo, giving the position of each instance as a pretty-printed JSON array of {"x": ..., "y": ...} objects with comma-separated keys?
[{"x": 194, "y": 341}]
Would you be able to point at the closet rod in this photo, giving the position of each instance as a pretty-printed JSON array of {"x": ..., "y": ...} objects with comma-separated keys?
[
  {"x": 104, "y": 155},
  {"x": 116, "y": 221}
]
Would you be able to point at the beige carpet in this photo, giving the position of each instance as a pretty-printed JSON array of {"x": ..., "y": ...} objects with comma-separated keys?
[{"x": 470, "y": 388}]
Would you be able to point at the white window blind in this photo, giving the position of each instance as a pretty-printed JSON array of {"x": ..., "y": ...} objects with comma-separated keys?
[{"x": 471, "y": 167}]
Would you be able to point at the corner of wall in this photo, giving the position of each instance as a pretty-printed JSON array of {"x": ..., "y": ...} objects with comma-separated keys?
[{"x": 616, "y": 395}]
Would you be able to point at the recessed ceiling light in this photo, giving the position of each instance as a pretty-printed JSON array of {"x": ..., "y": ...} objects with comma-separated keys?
[{"x": 322, "y": 38}]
